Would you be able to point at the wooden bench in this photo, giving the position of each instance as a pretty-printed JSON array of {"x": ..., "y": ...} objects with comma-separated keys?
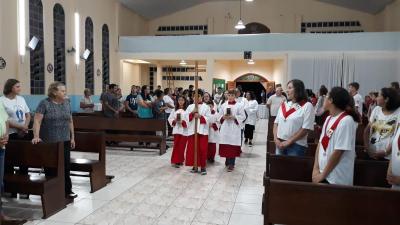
[
  {"x": 47, "y": 156},
  {"x": 129, "y": 129},
  {"x": 93, "y": 142},
  {"x": 371, "y": 173},
  {"x": 303, "y": 203}
]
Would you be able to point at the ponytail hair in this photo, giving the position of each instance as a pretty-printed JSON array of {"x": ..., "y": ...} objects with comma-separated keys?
[{"x": 342, "y": 100}]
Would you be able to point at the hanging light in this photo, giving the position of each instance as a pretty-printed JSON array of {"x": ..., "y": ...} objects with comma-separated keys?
[
  {"x": 251, "y": 62},
  {"x": 182, "y": 63},
  {"x": 240, "y": 25}
]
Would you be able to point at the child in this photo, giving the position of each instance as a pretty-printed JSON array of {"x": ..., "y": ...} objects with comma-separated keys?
[
  {"x": 159, "y": 106},
  {"x": 335, "y": 155},
  {"x": 202, "y": 114},
  {"x": 231, "y": 118},
  {"x": 177, "y": 121},
  {"x": 213, "y": 132}
]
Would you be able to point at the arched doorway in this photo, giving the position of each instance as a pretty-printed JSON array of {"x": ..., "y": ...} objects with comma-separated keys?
[
  {"x": 254, "y": 82},
  {"x": 254, "y": 28}
]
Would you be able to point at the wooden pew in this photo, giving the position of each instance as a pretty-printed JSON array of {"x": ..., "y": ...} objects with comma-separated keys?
[
  {"x": 371, "y": 173},
  {"x": 93, "y": 142},
  {"x": 132, "y": 126},
  {"x": 302, "y": 203},
  {"x": 50, "y": 188}
]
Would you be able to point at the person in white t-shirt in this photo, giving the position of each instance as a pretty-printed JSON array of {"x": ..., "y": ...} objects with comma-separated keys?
[
  {"x": 393, "y": 173},
  {"x": 16, "y": 108},
  {"x": 383, "y": 124},
  {"x": 335, "y": 155},
  {"x": 358, "y": 99},
  {"x": 275, "y": 101},
  {"x": 170, "y": 104},
  {"x": 293, "y": 121},
  {"x": 86, "y": 103}
]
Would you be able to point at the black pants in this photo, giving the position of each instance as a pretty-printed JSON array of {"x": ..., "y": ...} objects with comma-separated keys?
[
  {"x": 67, "y": 168},
  {"x": 230, "y": 161},
  {"x": 249, "y": 131}
]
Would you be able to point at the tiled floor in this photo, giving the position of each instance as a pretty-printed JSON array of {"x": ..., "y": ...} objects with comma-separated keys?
[{"x": 147, "y": 190}]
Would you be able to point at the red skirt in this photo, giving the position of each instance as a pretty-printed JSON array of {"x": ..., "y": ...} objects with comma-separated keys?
[
  {"x": 229, "y": 151},
  {"x": 178, "y": 153},
  {"x": 201, "y": 151},
  {"x": 212, "y": 149}
]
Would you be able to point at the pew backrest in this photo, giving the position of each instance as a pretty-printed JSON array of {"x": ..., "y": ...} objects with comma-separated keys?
[
  {"x": 93, "y": 142},
  {"x": 301, "y": 203},
  {"x": 42, "y": 155}
]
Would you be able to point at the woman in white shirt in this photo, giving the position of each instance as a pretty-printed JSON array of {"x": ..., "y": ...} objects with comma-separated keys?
[
  {"x": 383, "y": 124},
  {"x": 335, "y": 155},
  {"x": 17, "y": 109},
  {"x": 295, "y": 118},
  {"x": 250, "y": 122},
  {"x": 393, "y": 174},
  {"x": 86, "y": 103}
]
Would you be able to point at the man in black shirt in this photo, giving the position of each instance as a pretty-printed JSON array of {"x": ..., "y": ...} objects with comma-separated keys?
[{"x": 110, "y": 102}]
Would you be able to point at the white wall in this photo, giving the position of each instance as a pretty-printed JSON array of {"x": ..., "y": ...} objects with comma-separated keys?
[
  {"x": 390, "y": 17},
  {"x": 281, "y": 16},
  {"x": 131, "y": 76},
  {"x": 100, "y": 11}
]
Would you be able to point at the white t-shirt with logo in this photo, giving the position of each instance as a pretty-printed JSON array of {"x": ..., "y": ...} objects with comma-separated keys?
[
  {"x": 396, "y": 158},
  {"x": 302, "y": 118},
  {"x": 383, "y": 129},
  {"x": 16, "y": 109},
  {"x": 275, "y": 102},
  {"x": 343, "y": 138},
  {"x": 358, "y": 102},
  {"x": 168, "y": 100}
]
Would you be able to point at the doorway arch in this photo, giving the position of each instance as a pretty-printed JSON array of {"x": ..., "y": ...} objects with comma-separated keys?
[{"x": 254, "y": 82}]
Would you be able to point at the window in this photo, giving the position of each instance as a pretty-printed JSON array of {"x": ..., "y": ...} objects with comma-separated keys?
[
  {"x": 37, "y": 55},
  {"x": 59, "y": 43},
  {"x": 89, "y": 63},
  {"x": 106, "y": 55}
]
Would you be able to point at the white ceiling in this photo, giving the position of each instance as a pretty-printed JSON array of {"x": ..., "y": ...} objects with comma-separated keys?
[{"x": 151, "y": 9}]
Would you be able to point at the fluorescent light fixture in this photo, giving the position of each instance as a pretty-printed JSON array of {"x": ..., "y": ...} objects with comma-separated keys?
[
  {"x": 33, "y": 43},
  {"x": 182, "y": 63},
  {"x": 249, "y": 0},
  {"x": 251, "y": 62},
  {"x": 86, "y": 54},
  {"x": 240, "y": 25},
  {"x": 21, "y": 27},
  {"x": 77, "y": 35},
  {"x": 136, "y": 61}
]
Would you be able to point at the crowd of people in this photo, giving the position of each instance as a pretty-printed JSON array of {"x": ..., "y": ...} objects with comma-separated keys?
[{"x": 225, "y": 120}]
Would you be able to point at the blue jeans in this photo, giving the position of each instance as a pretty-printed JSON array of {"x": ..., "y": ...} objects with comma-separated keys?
[
  {"x": 293, "y": 150},
  {"x": 230, "y": 161}
]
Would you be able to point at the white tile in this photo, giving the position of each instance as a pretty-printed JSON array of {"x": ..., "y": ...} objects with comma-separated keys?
[
  {"x": 244, "y": 219},
  {"x": 246, "y": 198},
  {"x": 247, "y": 208},
  {"x": 77, "y": 211}
]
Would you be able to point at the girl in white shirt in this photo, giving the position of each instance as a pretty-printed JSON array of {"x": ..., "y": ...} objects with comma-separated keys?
[
  {"x": 295, "y": 118},
  {"x": 250, "y": 122},
  {"x": 383, "y": 124},
  {"x": 393, "y": 174},
  {"x": 177, "y": 120},
  {"x": 335, "y": 155},
  {"x": 213, "y": 133}
]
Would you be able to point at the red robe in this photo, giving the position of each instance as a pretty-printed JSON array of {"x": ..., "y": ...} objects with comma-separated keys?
[{"x": 201, "y": 151}]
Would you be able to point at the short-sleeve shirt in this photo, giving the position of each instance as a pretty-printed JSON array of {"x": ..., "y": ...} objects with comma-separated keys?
[
  {"x": 343, "y": 138},
  {"x": 16, "y": 109},
  {"x": 156, "y": 109},
  {"x": 168, "y": 100},
  {"x": 56, "y": 120},
  {"x": 358, "y": 102},
  {"x": 132, "y": 101},
  {"x": 302, "y": 118},
  {"x": 3, "y": 120},
  {"x": 383, "y": 129},
  {"x": 87, "y": 101},
  {"x": 396, "y": 158},
  {"x": 275, "y": 102},
  {"x": 112, "y": 101}
]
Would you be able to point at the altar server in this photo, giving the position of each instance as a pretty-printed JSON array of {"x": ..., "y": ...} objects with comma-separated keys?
[
  {"x": 250, "y": 123},
  {"x": 213, "y": 133}
]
